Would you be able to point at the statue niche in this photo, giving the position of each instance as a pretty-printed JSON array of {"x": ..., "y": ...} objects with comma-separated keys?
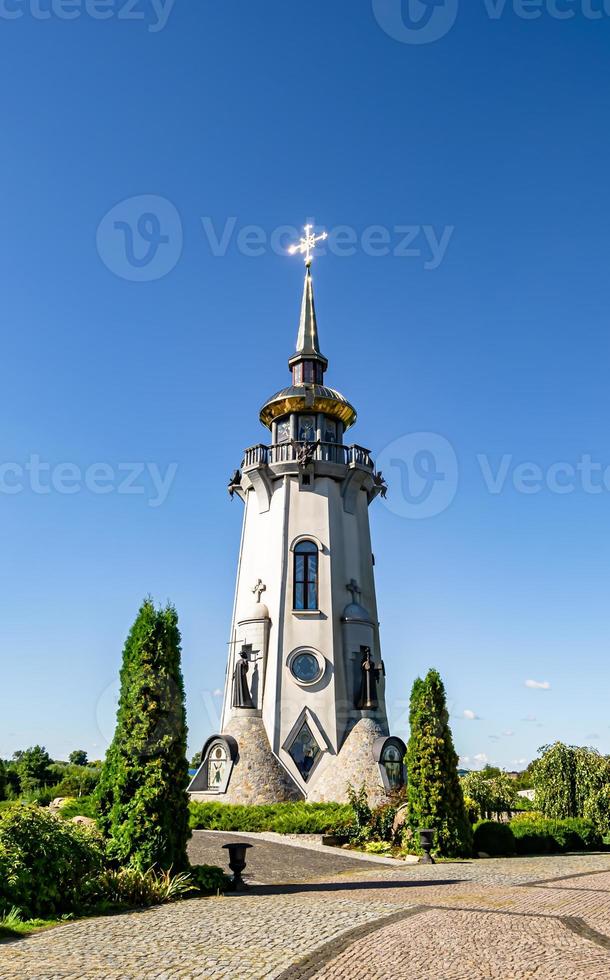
[{"x": 370, "y": 673}]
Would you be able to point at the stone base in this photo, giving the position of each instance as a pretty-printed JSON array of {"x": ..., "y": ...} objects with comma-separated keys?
[
  {"x": 257, "y": 776},
  {"x": 354, "y": 765}
]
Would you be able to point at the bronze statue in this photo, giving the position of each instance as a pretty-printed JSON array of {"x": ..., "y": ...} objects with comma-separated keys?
[
  {"x": 241, "y": 692},
  {"x": 367, "y": 700}
]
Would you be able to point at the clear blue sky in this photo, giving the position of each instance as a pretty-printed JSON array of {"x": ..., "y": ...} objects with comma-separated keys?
[{"x": 497, "y": 134}]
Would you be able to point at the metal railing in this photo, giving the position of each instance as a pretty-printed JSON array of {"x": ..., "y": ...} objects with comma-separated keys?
[{"x": 291, "y": 452}]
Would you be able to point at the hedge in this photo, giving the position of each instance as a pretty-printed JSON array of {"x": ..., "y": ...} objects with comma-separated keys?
[
  {"x": 542, "y": 836},
  {"x": 493, "y": 838},
  {"x": 282, "y": 818}
]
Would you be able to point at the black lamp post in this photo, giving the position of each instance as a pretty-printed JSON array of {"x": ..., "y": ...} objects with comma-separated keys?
[
  {"x": 426, "y": 839},
  {"x": 237, "y": 863}
]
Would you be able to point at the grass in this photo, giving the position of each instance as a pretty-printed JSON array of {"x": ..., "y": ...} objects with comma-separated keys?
[{"x": 12, "y": 926}]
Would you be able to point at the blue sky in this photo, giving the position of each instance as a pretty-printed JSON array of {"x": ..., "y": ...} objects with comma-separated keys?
[{"x": 484, "y": 154}]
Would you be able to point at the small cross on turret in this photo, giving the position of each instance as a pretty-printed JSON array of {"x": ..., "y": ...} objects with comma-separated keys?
[
  {"x": 352, "y": 587},
  {"x": 258, "y": 589}
]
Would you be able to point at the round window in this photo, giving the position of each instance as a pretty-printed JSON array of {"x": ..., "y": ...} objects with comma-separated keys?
[{"x": 306, "y": 668}]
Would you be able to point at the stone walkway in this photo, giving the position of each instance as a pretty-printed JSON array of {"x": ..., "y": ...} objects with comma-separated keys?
[{"x": 314, "y": 916}]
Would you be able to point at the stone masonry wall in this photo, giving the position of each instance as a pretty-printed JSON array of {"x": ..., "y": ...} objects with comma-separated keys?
[
  {"x": 353, "y": 765},
  {"x": 257, "y": 776}
]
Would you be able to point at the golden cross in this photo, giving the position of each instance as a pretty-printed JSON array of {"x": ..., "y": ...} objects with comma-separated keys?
[{"x": 307, "y": 244}]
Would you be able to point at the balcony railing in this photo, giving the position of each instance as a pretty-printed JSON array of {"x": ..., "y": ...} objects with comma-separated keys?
[{"x": 294, "y": 452}]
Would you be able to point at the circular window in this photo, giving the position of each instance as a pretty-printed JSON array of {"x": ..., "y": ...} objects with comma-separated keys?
[{"x": 306, "y": 668}]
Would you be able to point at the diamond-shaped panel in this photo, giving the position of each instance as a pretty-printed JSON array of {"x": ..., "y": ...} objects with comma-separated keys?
[{"x": 304, "y": 750}]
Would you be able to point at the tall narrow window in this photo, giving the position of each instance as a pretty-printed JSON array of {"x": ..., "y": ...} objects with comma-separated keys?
[{"x": 306, "y": 575}]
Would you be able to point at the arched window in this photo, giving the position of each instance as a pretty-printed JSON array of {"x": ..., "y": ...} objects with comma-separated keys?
[{"x": 306, "y": 575}]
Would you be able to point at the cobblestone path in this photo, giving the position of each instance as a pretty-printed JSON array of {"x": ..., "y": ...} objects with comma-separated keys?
[{"x": 320, "y": 916}]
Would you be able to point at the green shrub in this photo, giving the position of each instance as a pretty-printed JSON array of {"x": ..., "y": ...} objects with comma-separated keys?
[
  {"x": 493, "y": 838},
  {"x": 45, "y": 864},
  {"x": 378, "y": 847},
  {"x": 208, "y": 879},
  {"x": 281, "y": 818},
  {"x": 539, "y": 835},
  {"x": 83, "y": 806},
  {"x": 130, "y": 887},
  {"x": 473, "y": 809}
]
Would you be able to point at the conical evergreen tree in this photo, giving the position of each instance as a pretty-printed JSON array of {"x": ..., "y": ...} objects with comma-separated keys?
[
  {"x": 434, "y": 792},
  {"x": 142, "y": 788}
]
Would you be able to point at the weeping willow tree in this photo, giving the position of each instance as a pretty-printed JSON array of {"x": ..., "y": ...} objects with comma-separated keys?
[
  {"x": 434, "y": 793},
  {"x": 142, "y": 790}
]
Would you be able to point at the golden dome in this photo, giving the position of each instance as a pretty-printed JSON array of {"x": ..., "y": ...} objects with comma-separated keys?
[{"x": 308, "y": 398}]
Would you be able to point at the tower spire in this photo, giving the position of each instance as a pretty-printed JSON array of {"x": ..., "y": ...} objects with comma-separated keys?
[{"x": 308, "y": 345}]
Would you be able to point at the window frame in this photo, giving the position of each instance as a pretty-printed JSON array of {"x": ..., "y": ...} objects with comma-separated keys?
[{"x": 309, "y": 581}]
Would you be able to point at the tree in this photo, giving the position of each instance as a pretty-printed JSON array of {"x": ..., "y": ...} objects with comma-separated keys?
[
  {"x": 78, "y": 757},
  {"x": 434, "y": 793},
  {"x": 525, "y": 779},
  {"x": 142, "y": 789},
  {"x": 567, "y": 778},
  {"x": 33, "y": 766},
  {"x": 492, "y": 793},
  {"x": 3, "y": 780}
]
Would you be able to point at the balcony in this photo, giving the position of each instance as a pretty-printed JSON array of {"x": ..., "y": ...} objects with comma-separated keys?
[{"x": 306, "y": 452}]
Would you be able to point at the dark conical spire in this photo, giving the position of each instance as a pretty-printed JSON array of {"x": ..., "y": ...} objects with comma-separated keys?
[{"x": 308, "y": 345}]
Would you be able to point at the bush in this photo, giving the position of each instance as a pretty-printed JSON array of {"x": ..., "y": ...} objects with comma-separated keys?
[
  {"x": 472, "y": 809},
  {"x": 538, "y": 835},
  {"x": 45, "y": 864},
  {"x": 208, "y": 879},
  {"x": 130, "y": 887},
  {"x": 493, "y": 838},
  {"x": 84, "y": 806},
  {"x": 281, "y": 818}
]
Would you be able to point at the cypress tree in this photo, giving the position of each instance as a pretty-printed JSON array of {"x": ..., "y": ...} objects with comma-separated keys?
[
  {"x": 142, "y": 789},
  {"x": 434, "y": 792}
]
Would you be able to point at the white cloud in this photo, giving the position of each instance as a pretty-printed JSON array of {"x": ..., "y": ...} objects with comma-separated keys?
[
  {"x": 494, "y": 738},
  {"x": 481, "y": 758},
  {"x": 538, "y": 685},
  {"x": 217, "y": 693},
  {"x": 529, "y": 718},
  {"x": 592, "y": 737},
  {"x": 471, "y": 715},
  {"x": 508, "y": 733}
]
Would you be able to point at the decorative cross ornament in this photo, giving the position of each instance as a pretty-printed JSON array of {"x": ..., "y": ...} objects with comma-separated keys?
[
  {"x": 352, "y": 587},
  {"x": 258, "y": 589},
  {"x": 307, "y": 244}
]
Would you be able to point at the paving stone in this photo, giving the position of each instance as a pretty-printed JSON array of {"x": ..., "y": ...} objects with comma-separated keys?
[{"x": 317, "y": 916}]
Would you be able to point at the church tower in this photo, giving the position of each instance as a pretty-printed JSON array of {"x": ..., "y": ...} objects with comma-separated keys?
[{"x": 304, "y": 711}]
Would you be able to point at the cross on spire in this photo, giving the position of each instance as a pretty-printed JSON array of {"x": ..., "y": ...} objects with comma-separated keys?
[
  {"x": 307, "y": 244},
  {"x": 352, "y": 587},
  {"x": 258, "y": 589}
]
